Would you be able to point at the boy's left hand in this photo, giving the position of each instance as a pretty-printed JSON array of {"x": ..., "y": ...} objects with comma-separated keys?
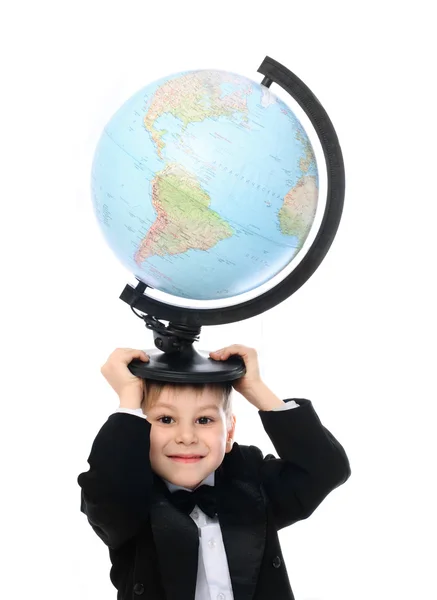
[{"x": 247, "y": 384}]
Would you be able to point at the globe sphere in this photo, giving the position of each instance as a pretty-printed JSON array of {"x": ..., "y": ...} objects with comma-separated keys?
[{"x": 205, "y": 185}]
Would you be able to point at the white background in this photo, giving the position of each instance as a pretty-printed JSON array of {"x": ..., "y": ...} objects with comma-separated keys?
[{"x": 358, "y": 339}]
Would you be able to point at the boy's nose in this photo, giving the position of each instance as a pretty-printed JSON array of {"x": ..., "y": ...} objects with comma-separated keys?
[{"x": 186, "y": 435}]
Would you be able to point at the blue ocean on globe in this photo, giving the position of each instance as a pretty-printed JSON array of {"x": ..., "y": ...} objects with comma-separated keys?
[{"x": 205, "y": 185}]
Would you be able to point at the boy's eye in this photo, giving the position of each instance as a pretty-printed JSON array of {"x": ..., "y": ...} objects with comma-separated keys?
[{"x": 167, "y": 417}]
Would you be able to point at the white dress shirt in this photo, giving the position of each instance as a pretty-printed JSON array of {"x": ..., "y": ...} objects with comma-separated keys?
[{"x": 213, "y": 578}]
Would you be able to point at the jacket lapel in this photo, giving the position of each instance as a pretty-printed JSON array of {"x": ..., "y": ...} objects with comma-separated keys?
[
  {"x": 243, "y": 521},
  {"x": 177, "y": 545}
]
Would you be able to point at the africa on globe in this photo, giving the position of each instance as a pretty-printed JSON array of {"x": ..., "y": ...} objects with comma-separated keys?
[{"x": 205, "y": 185}]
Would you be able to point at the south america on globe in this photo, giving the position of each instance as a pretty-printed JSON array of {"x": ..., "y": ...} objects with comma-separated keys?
[{"x": 205, "y": 185}]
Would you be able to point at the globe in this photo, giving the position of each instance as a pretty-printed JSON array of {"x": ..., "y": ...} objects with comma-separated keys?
[
  {"x": 206, "y": 187},
  {"x": 205, "y": 184}
]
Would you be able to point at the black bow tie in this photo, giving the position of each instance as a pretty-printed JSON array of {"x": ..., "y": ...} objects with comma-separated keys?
[{"x": 203, "y": 496}]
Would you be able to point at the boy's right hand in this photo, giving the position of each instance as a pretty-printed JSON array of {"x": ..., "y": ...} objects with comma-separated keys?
[{"x": 130, "y": 389}]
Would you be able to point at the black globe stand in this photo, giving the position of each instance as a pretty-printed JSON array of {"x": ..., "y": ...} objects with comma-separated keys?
[
  {"x": 187, "y": 366},
  {"x": 175, "y": 359}
]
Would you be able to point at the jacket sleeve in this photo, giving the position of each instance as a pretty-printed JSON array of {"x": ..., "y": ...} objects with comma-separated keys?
[
  {"x": 116, "y": 490},
  {"x": 311, "y": 463}
]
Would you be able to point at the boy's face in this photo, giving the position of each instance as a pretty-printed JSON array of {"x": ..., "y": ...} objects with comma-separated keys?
[{"x": 188, "y": 424}]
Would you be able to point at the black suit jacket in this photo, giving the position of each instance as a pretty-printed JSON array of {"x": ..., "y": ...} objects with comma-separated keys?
[{"x": 153, "y": 546}]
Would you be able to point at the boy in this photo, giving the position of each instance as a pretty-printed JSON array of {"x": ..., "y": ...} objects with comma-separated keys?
[{"x": 186, "y": 512}]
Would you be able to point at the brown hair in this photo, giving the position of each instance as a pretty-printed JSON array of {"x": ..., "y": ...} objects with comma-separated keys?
[{"x": 154, "y": 389}]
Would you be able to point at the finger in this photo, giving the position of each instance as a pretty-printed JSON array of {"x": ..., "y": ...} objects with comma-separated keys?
[
  {"x": 243, "y": 351},
  {"x": 143, "y": 356},
  {"x": 227, "y": 352},
  {"x": 131, "y": 353},
  {"x": 232, "y": 348},
  {"x": 237, "y": 348}
]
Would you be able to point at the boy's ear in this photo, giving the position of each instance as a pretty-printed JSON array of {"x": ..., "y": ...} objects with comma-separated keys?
[
  {"x": 230, "y": 434},
  {"x": 144, "y": 400}
]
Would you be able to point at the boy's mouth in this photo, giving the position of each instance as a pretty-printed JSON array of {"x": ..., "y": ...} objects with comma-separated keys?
[{"x": 186, "y": 458}]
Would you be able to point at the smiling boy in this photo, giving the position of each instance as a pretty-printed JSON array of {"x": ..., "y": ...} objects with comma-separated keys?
[{"x": 225, "y": 546}]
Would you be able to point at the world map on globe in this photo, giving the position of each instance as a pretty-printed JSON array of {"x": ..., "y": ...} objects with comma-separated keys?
[{"x": 205, "y": 184}]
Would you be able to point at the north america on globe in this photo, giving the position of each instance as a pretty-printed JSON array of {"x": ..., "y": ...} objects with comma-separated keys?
[{"x": 205, "y": 184}]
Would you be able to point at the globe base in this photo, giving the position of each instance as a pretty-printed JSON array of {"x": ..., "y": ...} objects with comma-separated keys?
[{"x": 187, "y": 366}]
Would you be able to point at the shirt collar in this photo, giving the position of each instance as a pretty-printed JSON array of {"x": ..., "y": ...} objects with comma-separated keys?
[{"x": 210, "y": 480}]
